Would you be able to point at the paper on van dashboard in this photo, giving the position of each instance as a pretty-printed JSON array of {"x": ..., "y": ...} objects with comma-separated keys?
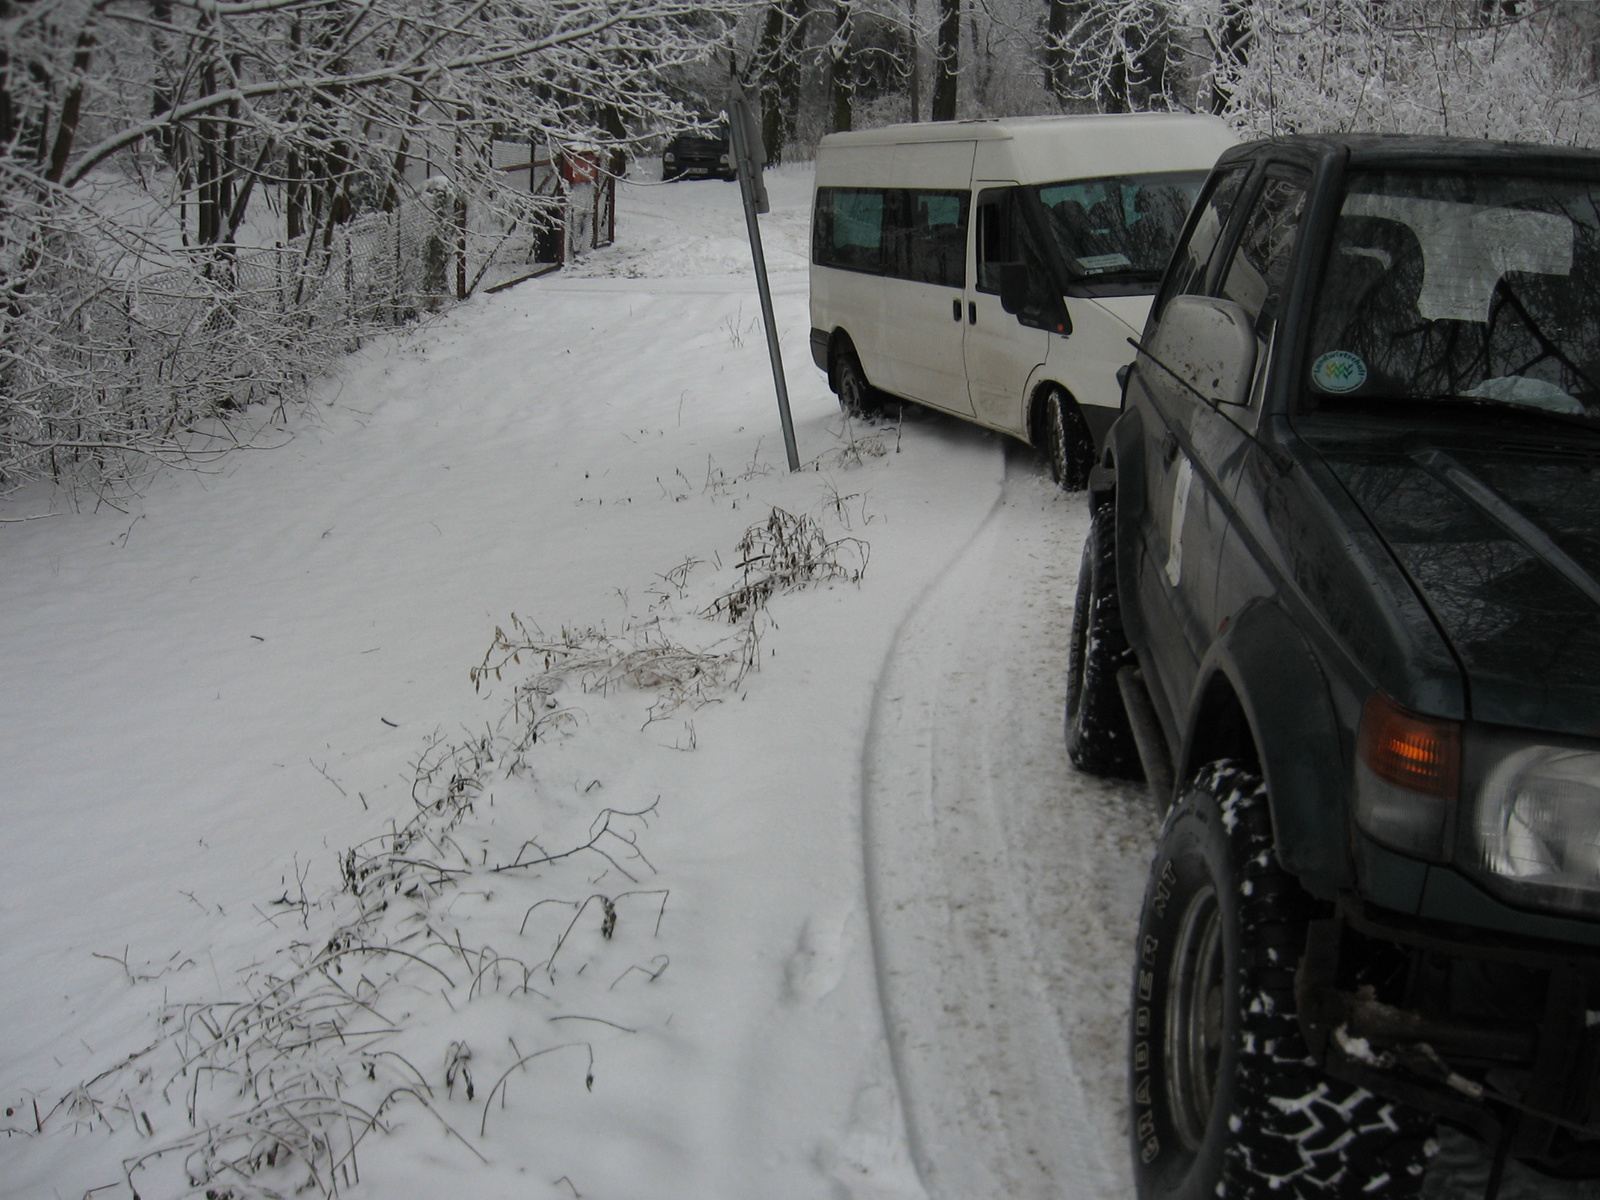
[{"x": 1094, "y": 264}]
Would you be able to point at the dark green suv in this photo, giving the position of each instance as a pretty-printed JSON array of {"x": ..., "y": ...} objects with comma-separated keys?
[{"x": 1340, "y": 605}]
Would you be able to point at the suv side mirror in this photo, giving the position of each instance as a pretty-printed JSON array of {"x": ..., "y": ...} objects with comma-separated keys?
[{"x": 1209, "y": 344}]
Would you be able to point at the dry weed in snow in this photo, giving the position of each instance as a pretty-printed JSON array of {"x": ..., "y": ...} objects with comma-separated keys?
[{"x": 506, "y": 908}]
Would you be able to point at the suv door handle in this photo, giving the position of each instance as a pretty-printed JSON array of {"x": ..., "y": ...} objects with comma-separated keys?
[{"x": 1169, "y": 448}]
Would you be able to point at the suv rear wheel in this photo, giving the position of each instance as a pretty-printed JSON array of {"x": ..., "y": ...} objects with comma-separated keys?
[
  {"x": 1099, "y": 737},
  {"x": 1226, "y": 1101}
]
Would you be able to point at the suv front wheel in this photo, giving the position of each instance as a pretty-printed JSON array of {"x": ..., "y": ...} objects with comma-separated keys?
[{"x": 1226, "y": 1101}]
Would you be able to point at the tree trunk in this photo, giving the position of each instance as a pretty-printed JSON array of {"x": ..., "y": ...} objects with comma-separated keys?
[
  {"x": 1055, "y": 54},
  {"x": 914, "y": 63},
  {"x": 768, "y": 50},
  {"x": 71, "y": 107},
  {"x": 207, "y": 216},
  {"x": 947, "y": 61},
  {"x": 777, "y": 65},
  {"x": 842, "y": 75},
  {"x": 1232, "y": 51}
]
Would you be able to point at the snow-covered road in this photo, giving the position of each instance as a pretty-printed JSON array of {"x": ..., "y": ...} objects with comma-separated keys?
[{"x": 1004, "y": 885}]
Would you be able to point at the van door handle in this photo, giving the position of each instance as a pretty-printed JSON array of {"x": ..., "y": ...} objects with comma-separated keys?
[
  {"x": 955, "y": 309},
  {"x": 972, "y": 312},
  {"x": 1169, "y": 448}
]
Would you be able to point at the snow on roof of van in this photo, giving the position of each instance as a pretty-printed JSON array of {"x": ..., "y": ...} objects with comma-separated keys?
[
  {"x": 995, "y": 128},
  {"x": 1042, "y": 149}
]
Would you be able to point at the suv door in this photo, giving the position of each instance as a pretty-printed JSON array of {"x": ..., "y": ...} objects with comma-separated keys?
[{"x": 1193, "y": 449}]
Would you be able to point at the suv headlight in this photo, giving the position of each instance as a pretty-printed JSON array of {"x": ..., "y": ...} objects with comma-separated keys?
[
  {"x": 1408, "y": 774},
  {"x": 669, "y": 156},
  {"x": 1533, "y": 835},
  {"x": 1518, "y": 811}
]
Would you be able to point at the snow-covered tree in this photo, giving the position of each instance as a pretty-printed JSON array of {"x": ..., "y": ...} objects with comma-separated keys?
[
  {"x": 141, "y": 135},
  {"x": 1520, "y": 70}
]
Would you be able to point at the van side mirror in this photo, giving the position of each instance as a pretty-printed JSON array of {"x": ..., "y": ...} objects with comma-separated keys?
[
  {"x": 1016, "y": 286},
  {"x": 1209, "y": 344},
  {"x": 1028, "y": 297}
]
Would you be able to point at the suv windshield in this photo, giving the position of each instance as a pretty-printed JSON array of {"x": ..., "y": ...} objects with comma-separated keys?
[
  {"x": 1462, "y": 289},
  {"x": 1116, "y": 234}
]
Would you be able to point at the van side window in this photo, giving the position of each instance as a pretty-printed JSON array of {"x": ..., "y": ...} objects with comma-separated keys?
[
  {"x": 848, "y": 229},
  {"x": 1004, "y": 237},
  {"x": 1190, "y": 262},
  {"x": 1009, "y": 244},
  {"x": 933, "y": 239}
]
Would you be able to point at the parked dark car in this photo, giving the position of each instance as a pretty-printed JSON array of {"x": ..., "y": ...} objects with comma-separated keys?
[
  {"x": 1340, "y": 605},
  {"x": 704, "y": 155}
]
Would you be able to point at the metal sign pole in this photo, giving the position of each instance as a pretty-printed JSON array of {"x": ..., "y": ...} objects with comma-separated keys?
[{"x": 748, "y": 155}]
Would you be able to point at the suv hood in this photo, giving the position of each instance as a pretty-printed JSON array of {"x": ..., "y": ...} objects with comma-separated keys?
[{"x": 1501, "y": 540}]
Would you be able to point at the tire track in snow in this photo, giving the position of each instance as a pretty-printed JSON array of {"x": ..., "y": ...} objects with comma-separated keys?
[{"x": 1003, "y": 886}]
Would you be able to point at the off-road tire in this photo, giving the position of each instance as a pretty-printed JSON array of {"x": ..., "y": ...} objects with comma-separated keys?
[
  {"x": 1068, "y": 446},
  {"x": 857, "y": 397},
  {"x": 1226, "y": 1102},
  {"x": 1099, "y": 738}
]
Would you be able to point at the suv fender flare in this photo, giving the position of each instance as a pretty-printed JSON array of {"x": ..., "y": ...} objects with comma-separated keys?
[
  {"x": 1298, "y": 741},
  {"x": 1123, "y": 456}
]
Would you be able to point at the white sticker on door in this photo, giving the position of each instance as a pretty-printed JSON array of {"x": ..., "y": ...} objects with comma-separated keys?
[{"x": 1180, "y": 510}]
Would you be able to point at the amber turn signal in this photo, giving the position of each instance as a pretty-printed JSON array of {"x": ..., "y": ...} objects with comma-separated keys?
[{"x": 1419, "y": 754}]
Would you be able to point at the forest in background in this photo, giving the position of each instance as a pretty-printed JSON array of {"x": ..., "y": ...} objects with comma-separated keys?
[{"x": 203, "y": 202}]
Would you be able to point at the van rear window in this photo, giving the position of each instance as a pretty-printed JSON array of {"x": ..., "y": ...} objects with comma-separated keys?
[
  {"x": 907, "y": 233},
  {"x": 848, "y": 231}
]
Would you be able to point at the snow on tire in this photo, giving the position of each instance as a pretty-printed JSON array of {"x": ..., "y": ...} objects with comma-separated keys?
[{"x": 1226, "y": 1101}]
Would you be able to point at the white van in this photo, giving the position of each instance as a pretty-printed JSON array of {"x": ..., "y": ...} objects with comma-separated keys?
[{"x": 996, "y": 269}]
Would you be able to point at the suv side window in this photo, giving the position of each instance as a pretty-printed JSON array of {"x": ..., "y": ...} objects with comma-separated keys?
[
  {"x": 1260, "y": 268},
  {"x": 1190, "y": 262}
]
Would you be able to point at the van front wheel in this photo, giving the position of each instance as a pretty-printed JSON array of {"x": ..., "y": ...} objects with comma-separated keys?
[{"x": 1067, "y": 443}]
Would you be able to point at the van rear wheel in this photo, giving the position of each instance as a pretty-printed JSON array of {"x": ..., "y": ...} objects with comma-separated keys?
[
  {"x": 856, "y": 395},
  {"x": 1067, "y": 443}
]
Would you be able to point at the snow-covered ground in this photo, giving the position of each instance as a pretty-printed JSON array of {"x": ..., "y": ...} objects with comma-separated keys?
[{"x": 864, "y": 934}]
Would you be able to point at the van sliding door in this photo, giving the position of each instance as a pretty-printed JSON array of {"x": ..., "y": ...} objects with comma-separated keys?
[{"x": 925, "y": 279}]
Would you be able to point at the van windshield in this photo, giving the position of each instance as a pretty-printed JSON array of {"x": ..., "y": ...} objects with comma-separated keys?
[
  {"x": 1462, "y": 289},
  {"x": 1116, "y": 234}
]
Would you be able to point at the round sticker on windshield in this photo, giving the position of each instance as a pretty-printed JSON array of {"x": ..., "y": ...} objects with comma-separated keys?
[{"x": 1339, "y": 371}]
